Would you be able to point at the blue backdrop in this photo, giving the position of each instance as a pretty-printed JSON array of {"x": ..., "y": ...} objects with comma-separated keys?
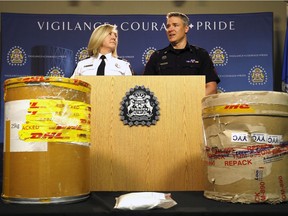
[{"x": 241, "y": 45}]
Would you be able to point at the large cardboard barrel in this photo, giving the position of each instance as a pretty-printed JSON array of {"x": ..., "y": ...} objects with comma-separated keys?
[
  {"x": 46, "y": 140},
  {"x": 246, "y": 146}
]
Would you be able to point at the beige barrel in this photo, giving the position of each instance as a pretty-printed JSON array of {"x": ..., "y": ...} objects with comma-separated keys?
[
  {"x": 46, "y": 140},
  {"x": 246, "y": 146}
]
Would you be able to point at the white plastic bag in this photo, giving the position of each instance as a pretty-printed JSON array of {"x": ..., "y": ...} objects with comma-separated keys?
[{"x": 144, "y": 201}]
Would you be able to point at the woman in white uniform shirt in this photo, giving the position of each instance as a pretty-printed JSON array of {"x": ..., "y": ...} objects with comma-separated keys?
[{"x": 103, "y": 41}]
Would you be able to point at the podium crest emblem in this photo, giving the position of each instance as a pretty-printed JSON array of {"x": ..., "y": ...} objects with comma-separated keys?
[{"x": 139, "y": 107}]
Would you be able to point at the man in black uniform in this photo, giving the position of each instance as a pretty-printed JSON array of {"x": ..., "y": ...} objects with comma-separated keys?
[{"x": 180, "y": 58}]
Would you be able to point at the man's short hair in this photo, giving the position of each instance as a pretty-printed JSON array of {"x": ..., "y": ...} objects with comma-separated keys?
[{"x": 183, "y": 16}]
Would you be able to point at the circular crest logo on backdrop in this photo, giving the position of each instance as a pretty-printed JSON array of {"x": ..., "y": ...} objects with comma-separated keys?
[
  {"x": 55, "y": 72},
  {"x": 257, "y": 75},
  {"x": 16, "y": 56},
  {"x": 219, "y": 56},
  {"x": 139, "y": 107},
  {"x": 220, "y": 89},
  {"x": 146, "y": 55},
  {"x": 81, "y": 54}
]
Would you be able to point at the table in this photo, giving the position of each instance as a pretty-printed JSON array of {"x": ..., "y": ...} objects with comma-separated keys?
[{"x": 188, "y": 203}]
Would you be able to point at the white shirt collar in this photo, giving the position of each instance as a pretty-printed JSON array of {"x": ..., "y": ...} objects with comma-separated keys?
[{"x": 108, "y": 56}]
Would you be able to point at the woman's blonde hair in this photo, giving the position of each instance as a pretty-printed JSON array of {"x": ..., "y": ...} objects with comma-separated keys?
[{"x": 97, "y": 37}]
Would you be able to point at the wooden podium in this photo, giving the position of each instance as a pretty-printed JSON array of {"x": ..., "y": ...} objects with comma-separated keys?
[{"x": 166, "y": 156}]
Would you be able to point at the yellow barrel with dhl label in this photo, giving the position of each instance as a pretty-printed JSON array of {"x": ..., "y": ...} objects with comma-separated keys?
[
  {"x": 246, "y": 146},
  {"x": 46, "y": 140}
]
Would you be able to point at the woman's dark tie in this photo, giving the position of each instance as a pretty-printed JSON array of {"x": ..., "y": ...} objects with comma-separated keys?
[{"x": 100, "y": 71}]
